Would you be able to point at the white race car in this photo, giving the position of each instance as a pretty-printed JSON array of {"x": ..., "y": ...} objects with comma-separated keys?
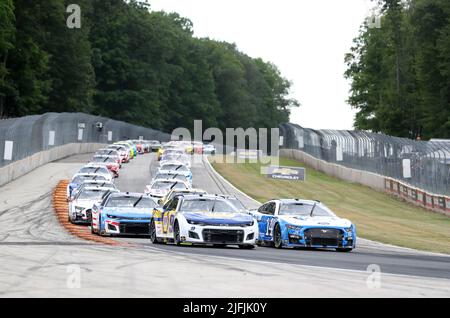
[
  {"x": 93, "y": 183},
  {"x": 78, "y": 180},
  {"x": 97, "y": 169},
  {"x": 175, "y": 167},
  {"x": 80, "y": 208},
  {"x": 160, "y": 187},
  {"x": 203, "y": 219}
]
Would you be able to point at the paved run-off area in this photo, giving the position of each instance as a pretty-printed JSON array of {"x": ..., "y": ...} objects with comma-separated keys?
[{"x": 39, "y": 259}]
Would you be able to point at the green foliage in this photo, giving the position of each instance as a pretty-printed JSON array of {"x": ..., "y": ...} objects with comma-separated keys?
[
  {"x": 401, "y": 72},
  {"x": 131, "y": 64}
]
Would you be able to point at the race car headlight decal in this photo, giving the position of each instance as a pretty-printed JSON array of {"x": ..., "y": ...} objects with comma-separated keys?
[
  {"x": 293, "y": 227},
  {"x": 349, "y": 230},
  {"x": 196, "y": 223},
  {"x": 111, "y": 216}
]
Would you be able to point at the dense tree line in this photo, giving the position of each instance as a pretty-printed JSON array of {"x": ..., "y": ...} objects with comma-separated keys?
[
  {"x": 400, "y": 72},
  {"x": 130, "y": 63}
]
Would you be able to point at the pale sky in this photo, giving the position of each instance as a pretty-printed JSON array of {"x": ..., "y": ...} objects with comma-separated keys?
[{"x": 306, "y": 39}]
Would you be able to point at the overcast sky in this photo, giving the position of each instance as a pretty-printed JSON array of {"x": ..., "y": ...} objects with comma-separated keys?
[{"x": 306, "y": 39}]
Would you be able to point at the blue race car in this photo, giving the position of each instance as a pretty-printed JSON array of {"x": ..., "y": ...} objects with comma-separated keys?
[
  {"x": 79, "y": 178},
  {"x": 123, "y": 214},
  {"x": 303, "y": 223}
]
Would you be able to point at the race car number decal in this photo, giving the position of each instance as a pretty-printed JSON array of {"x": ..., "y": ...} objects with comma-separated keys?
[{"x": 270, "y": 225}]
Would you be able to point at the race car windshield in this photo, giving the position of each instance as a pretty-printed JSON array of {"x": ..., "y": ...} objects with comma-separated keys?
[
  {"x": 302, "y": 209},
  {"x": 237, "y": 204},
  {"x": 171, "y": 176},
  {"x": 91, "y": 170},
  {"x": 91, "y": 195},
  {"x": 80, "y": 179},
  {"x": 207, "y": 205},
  {"x": 131, "y": 202},
  {"x": 103, "y": 159},
  {"x": 107, "y": 152},
  {"x": 180, "y": 168},
  {"x": 168, "y": 185}
]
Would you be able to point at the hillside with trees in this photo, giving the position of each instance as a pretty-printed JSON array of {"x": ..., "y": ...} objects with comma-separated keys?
[
  {"x": 400, "y": 72},
  {"x": 133, "y": 64}
]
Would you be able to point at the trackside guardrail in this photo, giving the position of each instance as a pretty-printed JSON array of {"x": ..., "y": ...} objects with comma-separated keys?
[
  {"x": 417, "y": 171},
  {"x": 22, "y": 137}
]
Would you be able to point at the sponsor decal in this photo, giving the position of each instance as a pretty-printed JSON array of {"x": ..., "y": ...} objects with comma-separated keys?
[
  {"x": 248, "y": 154},
  {"x": 286, "y": 173}
]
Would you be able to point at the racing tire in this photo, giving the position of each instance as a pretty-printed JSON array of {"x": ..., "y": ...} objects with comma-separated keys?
[
  {"x": 176, "y": 234},
  {"x": 152, "y": 232},
  {"x": 344, "y": 250},
  {"x": 277, "y": 239}
]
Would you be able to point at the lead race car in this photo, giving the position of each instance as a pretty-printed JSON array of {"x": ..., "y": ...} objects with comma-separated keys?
[
  {"x": 303, "y": 223},
  {"x": 202, "y": 219}
]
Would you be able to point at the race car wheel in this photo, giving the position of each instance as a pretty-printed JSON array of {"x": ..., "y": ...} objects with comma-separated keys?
[
  {"x": 176, "y": 234},
  {"x": 344, "y": 250},
  {"x": 277, "y": 240},
  {"x": 152, "y": 233}
]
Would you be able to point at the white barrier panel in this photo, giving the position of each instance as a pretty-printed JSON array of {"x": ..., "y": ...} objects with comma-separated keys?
[
  {"x": 80, "y": 134},
  {"x": 339, "y": 154},
  {"x": 406, "y": 168},
  {"x": 51, "y": 138},
  {"x": 8, "y": 150},
  {"x": 110, "y": 135}
]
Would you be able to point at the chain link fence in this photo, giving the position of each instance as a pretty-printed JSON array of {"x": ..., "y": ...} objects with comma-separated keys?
[
  {"x": 422, "y": 164},
  {"x": 25, "y": 136}
]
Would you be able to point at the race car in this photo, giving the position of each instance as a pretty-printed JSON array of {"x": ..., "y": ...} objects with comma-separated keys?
[
  {"x": 93, "y": 183},
  {"x": 202, "y": 219},
  {"x": 124, "y": 152},
  {"x": 123, "y": 214},
  {"x": 172, "y": 193},
  {"x": 80, "y": 208},
  {"x": 172, "y": 176},
  {"x": 155, "y": 145},
  {"x": 176, "y": 168},
  {"x": 160, "y": 187},
  {"x": 175, "y": 157},
  {"x": 209, "y": 149},
  {"x": 169, "y": 149},
  {"x": 79, "y": 178},
  {"x": 97, "y": 169},
  {"x": 112, "y": 163},
  {"x": 130, "y": 147},
  {"x": 303, "y": 223},
  {"x": 139, "y": 146}
]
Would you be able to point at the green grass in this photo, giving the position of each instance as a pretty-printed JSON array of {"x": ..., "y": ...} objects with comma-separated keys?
[{"x": 378, "y": 216}]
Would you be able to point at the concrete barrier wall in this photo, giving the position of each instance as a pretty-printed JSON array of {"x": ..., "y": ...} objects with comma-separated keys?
[
  {"x": 369, "y": 179},
  {"x": 24, "y": 166},
  {"x": 429, "y": 201}
]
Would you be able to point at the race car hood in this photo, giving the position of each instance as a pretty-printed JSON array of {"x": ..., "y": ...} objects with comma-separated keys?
[
  {"x": 185, "y": 173},
  {"x": 215, "y": 218},
  {"x": 129, "y": 212},
  {"x": 157, "y": 192},
  {"x": 316, "y": 221},
  {"x": 85, "y": 203}
]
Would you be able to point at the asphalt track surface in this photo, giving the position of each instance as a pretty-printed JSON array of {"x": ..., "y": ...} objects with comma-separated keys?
[
  {"x": 389, "y": 259},
  {"x": 38, "y": 258}
]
